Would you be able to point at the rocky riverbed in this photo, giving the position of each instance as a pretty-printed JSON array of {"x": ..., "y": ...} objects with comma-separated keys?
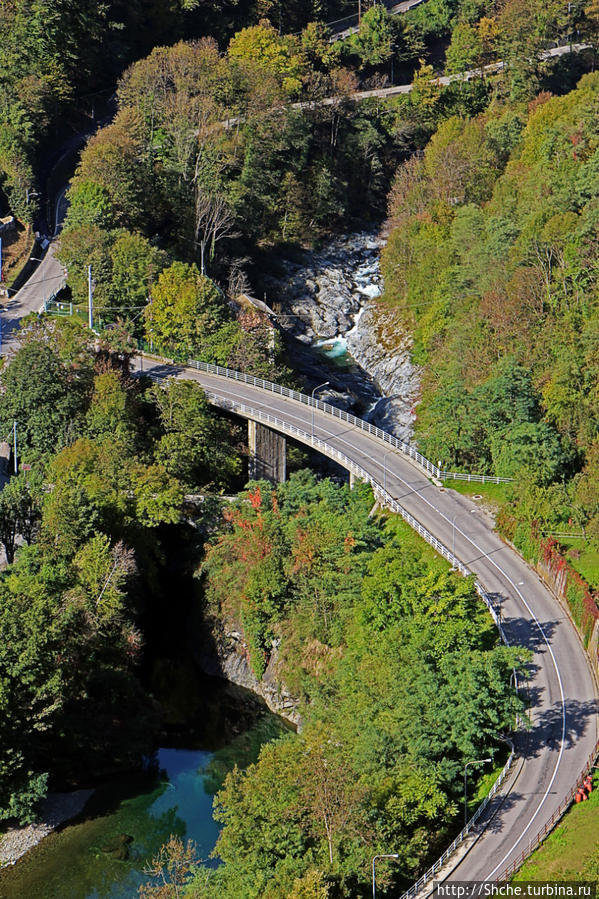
[
  {"x": 337, "y": 330},
  {"x": 54, "y": 811}
]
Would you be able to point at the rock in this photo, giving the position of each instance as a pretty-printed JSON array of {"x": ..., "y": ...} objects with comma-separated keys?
[
  {"x": 335, "y": 398},
  {"x": 331, "y": 295},
  {"x": 228, "y": 658},
  {"x": 54, "y": 811},
  {"x": 119, "y": 847}
]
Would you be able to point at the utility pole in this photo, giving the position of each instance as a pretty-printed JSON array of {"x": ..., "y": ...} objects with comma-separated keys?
[
  {"x": 359, "y": 11},
  {"x": 90, "y": 294},
  {"x": 14, "y": 432}
]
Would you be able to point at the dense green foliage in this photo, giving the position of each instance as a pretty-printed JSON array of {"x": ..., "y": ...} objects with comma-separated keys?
[
  {"x": 111, "y": 458},
  {"x": 221, "y": 149},
  {"x": 493, "y": 258},
  {"x": 57, "y": 62},
  {"x": 400, "y": 676}
]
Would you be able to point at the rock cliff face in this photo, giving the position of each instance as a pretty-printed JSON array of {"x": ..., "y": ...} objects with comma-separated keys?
[
  {"x": 228, "y": 658},
  {"x": 329, "y": 303}
]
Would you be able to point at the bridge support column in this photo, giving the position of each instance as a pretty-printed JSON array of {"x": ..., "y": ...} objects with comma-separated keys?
[
  {"x": 268, "y": 454},
  {"x": 352, "y": 480}
]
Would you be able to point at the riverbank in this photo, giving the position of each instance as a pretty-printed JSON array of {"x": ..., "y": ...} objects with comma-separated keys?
[
  {"x": 55, "y": 810},
  {"x": 104, "y": 851},
  {"x": 336, "y": 328}
]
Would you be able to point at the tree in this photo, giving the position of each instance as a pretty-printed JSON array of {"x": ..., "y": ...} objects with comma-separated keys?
[
  {"x": 43, "y": 396},
  {"x": 465, "y": 50},
  {"x": 186, "y": 308},
  {"x": 172, "y": 868},
  {"x": 20, "y": 511},
  {"x": 311, "y": 886},
  {"x": 83, "y": 245},
  {"x": 158, "y": 496},
  {"x": 111, "y": 162},
  {"x": 214, "y": 220},
  {"x": 333, "y": 801},
  {"x": 374, "y": 41},
  {"x": 135, "y": 266},
  {"x": 195, "y": 445},
  {"x": 259, "y": 48},
  {"x": 112, "y": 411}
]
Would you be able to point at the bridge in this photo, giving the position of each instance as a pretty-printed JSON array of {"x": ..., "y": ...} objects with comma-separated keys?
[{"x": 561, "y": 742}]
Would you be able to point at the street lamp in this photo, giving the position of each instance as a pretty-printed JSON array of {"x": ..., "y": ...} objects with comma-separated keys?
[
  {"x": 453, "y": 521},
  {"x": 475, "y": 762},
  {"x": 320, "y": 386},
  {"x": 373, "y": 871}
]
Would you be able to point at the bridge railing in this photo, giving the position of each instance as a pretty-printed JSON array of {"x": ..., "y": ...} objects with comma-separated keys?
[
  {"x": 551, "y": 823},
  {"x": 403, "y": 447},
  {"x": 388, "y": 500},
  {"x": 393, "y": 504}
]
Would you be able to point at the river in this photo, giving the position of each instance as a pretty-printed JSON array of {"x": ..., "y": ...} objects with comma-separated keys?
[
  {"x": 337, "y": 329},
  {"x": 102, "y": 855}
]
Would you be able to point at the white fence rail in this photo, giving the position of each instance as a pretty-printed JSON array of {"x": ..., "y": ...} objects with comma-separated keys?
[
  {"x": 392, "y": 503},
  {"x": 431, "y": 469}
]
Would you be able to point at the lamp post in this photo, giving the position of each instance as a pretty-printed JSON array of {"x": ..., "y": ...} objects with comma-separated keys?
[
  {"x": 453, "y": 521},
  {"x": 320, "y": 386},
  {"x": 475, "y": 762},
  {"x": 394, "y": 855}
]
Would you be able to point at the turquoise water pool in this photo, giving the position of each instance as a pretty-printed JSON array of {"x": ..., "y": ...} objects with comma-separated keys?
[{"x": 103, "y": 854}]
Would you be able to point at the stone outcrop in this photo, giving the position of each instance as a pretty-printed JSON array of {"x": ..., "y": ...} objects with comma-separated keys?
[
  {"x": 228, "y": 657},
  {"x": 330, "y": 298}
]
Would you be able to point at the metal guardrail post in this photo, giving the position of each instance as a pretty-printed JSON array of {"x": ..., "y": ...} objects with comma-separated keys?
[{"x": 351, "y": 419}]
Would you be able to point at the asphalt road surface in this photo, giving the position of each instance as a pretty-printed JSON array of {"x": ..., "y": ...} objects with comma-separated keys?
[
  {"x": 560, "y": 686},
  {"x": 46, "y": 280}
]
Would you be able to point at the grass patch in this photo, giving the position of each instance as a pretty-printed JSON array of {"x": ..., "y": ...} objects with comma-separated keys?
[
  {"x": 495, "y": 494},
  {"x": 486, "y": 781},
  {"x": 587, "y": 564},
  {"x": 409, "y": 538},
  {"x": 571, "y": 852},
  {"x": 17, "y": 247}
]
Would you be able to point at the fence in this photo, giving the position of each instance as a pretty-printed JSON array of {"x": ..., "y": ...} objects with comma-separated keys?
[
  {"x": 431, "y": 469},
  {"x": 388, "y": 500},
  {"x": 392, "y": 503},
  {"x": 549, "y": 825}
]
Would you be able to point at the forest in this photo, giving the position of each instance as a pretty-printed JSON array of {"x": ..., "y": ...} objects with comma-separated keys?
[
  {"x": 219, "y": 135},
  {"x": 502, "y": 206}
]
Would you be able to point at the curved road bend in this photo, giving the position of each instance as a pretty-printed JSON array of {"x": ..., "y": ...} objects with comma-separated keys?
[
  {"x": 45, "y": 281},
  {"x": 561, "y": 688}
]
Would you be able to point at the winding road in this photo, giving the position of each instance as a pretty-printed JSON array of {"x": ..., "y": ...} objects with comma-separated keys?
[{"x": 560, "y": 686}]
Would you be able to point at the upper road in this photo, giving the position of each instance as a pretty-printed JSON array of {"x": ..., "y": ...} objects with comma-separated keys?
[
  {"x": 342, "y": 28},
  {"x": 561, "y": 689},
  {"x": 46, "y": 280}
]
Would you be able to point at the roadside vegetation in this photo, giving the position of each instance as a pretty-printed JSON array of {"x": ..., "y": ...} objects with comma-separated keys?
[
  {"x": 571, "y": 852},
  {"x": 220, "y": 152},
  {"x": 400, "y": 676},
  {"x": 392, "y": 657},
  {"x": 491, "y": 257}
]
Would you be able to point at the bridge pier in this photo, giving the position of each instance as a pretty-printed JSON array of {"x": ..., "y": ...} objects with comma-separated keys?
[{"x": 268, "y": 454}]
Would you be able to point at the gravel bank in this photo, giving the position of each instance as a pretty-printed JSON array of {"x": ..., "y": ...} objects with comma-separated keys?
[{"x": 54, "y": 811}]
